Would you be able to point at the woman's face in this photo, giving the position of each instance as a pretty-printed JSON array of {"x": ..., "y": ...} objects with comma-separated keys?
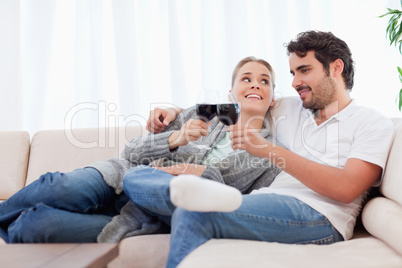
[{"x": 253, "y": 88}]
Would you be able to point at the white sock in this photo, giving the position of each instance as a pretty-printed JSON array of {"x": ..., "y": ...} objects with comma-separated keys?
[{"x": 194, "y": 193}]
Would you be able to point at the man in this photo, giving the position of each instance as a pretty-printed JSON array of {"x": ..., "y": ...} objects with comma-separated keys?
[{"x": 336, "y": 152}]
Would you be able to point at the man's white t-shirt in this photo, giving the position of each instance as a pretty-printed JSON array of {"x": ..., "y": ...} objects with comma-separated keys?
[{"x": 355, "y": 132}]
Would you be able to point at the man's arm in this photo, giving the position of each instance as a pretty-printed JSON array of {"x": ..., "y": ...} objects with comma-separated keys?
[
  {"x": 160, "y": 118},
  {"x": 343, "y": 185}
]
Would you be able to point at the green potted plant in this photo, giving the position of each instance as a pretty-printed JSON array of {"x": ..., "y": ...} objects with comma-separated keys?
[{"x": 394, "y": 34}]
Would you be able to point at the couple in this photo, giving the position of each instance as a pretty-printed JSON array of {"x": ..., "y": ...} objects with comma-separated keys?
[{"x": 335, "y": 152}]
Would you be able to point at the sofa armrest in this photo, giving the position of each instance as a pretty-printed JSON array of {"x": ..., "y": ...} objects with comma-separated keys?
[
  {"x": 382, "y": 218},
  {"x": 14, "y": 155}
]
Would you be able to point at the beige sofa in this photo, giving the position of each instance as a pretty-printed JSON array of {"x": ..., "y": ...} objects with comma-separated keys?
[{"x": 23, "y": 160}]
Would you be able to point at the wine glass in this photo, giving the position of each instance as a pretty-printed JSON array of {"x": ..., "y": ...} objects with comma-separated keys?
[
  {"x": 207, "y": 104},
  {"x": 228, "y": 110}
]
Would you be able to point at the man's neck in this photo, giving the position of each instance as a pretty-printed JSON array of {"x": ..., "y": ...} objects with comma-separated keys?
[{"x": 320, "y": 116}]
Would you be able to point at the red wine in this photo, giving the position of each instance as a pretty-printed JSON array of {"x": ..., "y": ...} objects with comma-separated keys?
[
  {"x": 228, "y": 113},
  {"x": 206, "y": 111}
]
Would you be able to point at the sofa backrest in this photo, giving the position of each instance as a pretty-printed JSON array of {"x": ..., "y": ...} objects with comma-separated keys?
[
  {"x": 66, "y": 150},
  {"x": 391, "y": 186},
  {"x": 14, "y": 155}
]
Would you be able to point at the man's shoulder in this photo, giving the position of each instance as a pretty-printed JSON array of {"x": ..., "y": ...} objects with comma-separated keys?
[
  {"x": 370, "y": 124},
  {"x": 372, "y": 116},
  {"x": 287, "y": 100},
  {"x": 285, "y": 105}
]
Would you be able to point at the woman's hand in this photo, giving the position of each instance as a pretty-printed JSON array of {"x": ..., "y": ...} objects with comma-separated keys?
[
  {"x": 184, "y": 169},
  {"x": 192, "y": 130},
  {"x": 249, "y": 139},
  {"x": 159, "y": 118}
]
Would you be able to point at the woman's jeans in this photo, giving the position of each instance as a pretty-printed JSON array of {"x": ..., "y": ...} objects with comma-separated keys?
[
  {"x": 60, "y": 208},
  {"x": 262, "y": 217}
]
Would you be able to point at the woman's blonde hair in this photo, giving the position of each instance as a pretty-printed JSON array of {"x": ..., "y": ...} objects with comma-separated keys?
[{"x": 254, "y": 59}]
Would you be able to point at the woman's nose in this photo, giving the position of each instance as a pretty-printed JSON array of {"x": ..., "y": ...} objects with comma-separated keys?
[{"x": 255, "y": 85}]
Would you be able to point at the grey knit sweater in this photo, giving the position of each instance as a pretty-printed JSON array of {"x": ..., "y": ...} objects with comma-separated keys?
[{"x": 239, "y": 169}]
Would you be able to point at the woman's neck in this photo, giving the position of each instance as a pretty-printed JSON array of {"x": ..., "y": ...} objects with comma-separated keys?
[{"x": 255, "y": 121}]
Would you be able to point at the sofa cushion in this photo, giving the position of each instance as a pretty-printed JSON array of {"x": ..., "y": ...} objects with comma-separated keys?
[
  {"x": 13, "y": 161},
  {"x": 362, "y": 252},
  {"x": 392, "y": 182},
  {"x": 382, "y": 218},
  {"x": 66, "y": 150}
]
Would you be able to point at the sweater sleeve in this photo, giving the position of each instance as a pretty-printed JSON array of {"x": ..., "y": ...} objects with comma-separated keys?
[
  {"x": 143, "y": 150},
  {"x": 241, "y": 170}
]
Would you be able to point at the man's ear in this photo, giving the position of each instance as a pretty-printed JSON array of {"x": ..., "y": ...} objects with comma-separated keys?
[{"x": 337, "y": 67}]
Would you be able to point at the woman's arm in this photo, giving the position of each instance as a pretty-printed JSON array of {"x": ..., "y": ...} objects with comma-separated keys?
[
  {"x": 145, "y": 149},
  {"x": 239, "y": 170}
]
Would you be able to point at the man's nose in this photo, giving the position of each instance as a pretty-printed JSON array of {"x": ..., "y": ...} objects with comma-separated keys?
[{"x": 296, "y": 82}]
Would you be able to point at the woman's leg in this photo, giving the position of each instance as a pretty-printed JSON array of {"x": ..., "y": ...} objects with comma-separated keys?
[
  {"x": 149, "y": 188},
  {"x": 82, "y": 190},
  {"x": 262, "y": 217},
  {"x": 44, "y": 224}
]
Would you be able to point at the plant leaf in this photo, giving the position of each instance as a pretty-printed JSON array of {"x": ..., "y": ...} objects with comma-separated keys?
[{"x": 400, "y": 73}]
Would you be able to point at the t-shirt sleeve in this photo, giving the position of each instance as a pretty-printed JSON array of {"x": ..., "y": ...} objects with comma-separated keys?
[{"x": 373, "y": 140}]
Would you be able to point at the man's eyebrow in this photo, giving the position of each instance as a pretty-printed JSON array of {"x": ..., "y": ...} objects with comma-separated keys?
[{"x": 302, "y": 66}]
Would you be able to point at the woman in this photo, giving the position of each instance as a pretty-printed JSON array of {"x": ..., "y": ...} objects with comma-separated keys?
[
  {"x": 76, "y": 206},
  {"x": 252, "y": 85}
]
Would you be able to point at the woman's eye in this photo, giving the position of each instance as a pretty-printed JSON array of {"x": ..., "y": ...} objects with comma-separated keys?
[
  {"x": 246, "y": 79},
  {"x": 265, "y": 82}
]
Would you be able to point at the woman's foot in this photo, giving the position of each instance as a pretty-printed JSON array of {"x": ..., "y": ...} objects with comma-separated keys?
[{"x": 194, "y": 193}]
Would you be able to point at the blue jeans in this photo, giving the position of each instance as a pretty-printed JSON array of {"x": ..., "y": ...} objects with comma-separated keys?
[
  {"x": 149, "y": 189},
  {"x": 60, "y": 208},
  {"x": 262, "y": 217}
]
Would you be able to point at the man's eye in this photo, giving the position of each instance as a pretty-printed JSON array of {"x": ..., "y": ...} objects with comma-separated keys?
[{"x": 305, "y": 70}]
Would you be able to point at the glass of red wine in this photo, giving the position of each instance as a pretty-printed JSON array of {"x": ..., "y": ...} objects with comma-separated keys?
[
  {"x": 207, "y": 104},
  {"x": 228, "y": 111}
]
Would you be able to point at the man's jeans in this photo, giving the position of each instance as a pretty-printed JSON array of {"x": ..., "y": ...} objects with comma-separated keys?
[
  {"x": 262, "y": 217},
  {"x": 60, "y": 208}
]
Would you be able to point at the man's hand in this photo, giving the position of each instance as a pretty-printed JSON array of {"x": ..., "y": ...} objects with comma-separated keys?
[
  {"x": 159, "y": 118},
  {"x": 249, "y": 139},
  {"x": 192, "y": 130},
  {"x": 184, "y": 169}
]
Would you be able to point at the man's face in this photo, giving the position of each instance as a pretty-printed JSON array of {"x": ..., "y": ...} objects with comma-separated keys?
[{"x": 315, "y": 87}]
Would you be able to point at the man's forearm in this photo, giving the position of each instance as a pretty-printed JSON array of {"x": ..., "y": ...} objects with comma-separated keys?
[{"x": 341, "y": 184}]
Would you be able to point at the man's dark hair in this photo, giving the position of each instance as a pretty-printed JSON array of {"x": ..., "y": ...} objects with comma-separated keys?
[{"x": 327, "y": 48}]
